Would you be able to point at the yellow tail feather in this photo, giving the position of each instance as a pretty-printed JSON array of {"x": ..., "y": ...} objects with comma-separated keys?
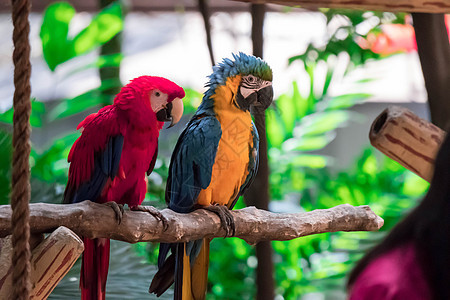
[{"x": 195, "y": 279}]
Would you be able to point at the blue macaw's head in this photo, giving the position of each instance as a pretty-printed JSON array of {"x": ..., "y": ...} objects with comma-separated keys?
[{"x": 255, "y": 88}]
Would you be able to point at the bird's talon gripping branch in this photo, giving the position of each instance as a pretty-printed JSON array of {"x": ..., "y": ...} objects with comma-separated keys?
[
  {"x": 118, "y": 210},
  {"x": 154, "y": 212},
  {"x": 226, "y": 218}
]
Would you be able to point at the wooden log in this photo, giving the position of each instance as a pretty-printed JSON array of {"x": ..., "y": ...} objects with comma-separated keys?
[
  {"x": 404, "y": 137},
  {"x": 438, "y": 6},
  {"x": 50, "y": 261},
  {"x": 94, "y": 220}
]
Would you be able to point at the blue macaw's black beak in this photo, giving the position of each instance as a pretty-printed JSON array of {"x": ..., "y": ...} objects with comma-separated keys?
[
  {"x": 265, "y": 97},
  {"x": 262, "y": 98},
  {"x": 165, "y": 114}
]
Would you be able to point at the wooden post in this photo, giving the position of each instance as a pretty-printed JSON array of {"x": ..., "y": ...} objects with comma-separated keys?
[
  {"x": 50, "y": 261},
  {"x": 411, "y": 141}
]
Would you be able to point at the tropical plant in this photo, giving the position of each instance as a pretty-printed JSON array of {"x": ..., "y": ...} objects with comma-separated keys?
[
  {"x": 49, "y": 165},
  {"x": 303, "y": 180},
  {"x": 302, "y": 123}
]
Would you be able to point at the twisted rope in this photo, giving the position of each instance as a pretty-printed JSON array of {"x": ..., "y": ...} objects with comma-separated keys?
[{"x": 20, "y": 195}]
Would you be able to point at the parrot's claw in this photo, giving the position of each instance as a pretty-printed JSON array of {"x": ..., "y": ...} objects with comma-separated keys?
[
  {"x": 226, "y": 218},
  {"x": 154, "y": 212},
  {"x": 118, "y": 210}
]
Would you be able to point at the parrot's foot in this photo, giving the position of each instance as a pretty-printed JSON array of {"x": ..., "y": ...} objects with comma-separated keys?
[
  {"x": 154, "y": 212},
  {"x": 226, "y": 218},
  {"x": 118, "y": 210}
]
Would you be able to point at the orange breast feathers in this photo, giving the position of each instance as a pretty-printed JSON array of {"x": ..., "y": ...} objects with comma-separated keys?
[{"x": 230, "y": 168}]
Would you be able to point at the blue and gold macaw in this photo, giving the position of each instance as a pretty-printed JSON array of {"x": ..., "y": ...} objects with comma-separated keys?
[{"x": 213, "y": 163}]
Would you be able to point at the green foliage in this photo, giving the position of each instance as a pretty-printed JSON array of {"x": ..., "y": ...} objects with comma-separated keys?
[
  {"x": 321, "y": 262},
  {"x": 234, "y": 280},
  {"x": 37, "y": 114},
  {"x": 300, "y": 124},
  {"x": 5, "y": 166},
  {"x": 346, "y": 28},
  {"x": 191, "y": 101},
  {"x": 79, "y": 104},
  {"x": 51, "y": 164},
  {"x": 58, "y": 47},
  {"x": 304, "y": 123}
]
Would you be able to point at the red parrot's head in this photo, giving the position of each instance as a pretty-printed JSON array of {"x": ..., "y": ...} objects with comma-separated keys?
[{"x": 159, "y": 94}]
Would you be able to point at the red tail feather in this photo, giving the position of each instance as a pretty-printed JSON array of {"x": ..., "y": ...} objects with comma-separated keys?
[{"x": 94, "y": 269}]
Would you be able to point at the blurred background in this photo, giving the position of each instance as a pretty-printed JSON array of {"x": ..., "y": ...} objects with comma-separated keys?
[{"x": 334, "y": 72}]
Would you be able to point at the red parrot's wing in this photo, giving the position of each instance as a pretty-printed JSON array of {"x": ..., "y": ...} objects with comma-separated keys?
[{"x": 95, "y": 155}]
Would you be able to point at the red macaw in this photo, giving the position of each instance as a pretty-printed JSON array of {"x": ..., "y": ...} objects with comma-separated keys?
[{"x": 108, "y": 162}]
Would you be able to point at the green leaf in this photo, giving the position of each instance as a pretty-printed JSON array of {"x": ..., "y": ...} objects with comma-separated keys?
[
  {"x": 192, "y": 100},
  {"x": 274, "y": 129},
  {"x": 322, "y": 122},
  {"x": 51, "y": 165},
  {"x": 37, "y": 114},
  {"x": 414, "y": 186},
  {"x": 346, "y": 101},
  {"x": 5, "y": 166},
  {"x": 286, "y": 111},
  {"x": 308, "y": 143},
  {"x": 57, "y": 47},
  {"x": 81, "y": 103},
  {"x": 54, "y": 30},
  {"x": 300, "y": 103},
  {"x": 110, "y": 60},
  {"x": 102, "y": 28},
  {"x": 311, "y": 161}
]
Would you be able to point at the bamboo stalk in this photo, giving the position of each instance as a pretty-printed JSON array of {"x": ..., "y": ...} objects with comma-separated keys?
[
  {"x": 404, "y": 137},
  {"x": 50, "y": 261}
]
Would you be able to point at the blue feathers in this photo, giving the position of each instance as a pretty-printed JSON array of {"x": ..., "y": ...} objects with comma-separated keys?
[{"x": 192, "y": 161}]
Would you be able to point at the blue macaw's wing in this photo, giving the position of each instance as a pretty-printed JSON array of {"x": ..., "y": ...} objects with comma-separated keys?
[
  {"x": 192, "y": 161},
  {"x": 253, "y": 163},
  {"x": 106, "y": 166}
]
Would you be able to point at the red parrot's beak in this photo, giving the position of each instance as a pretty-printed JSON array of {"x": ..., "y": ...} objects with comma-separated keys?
[
  {"x": 172, "y": 112},
  {"x": 177, "y": 111}
]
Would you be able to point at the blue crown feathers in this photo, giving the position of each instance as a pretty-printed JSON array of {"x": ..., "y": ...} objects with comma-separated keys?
[{"x": 243, "y": 64}]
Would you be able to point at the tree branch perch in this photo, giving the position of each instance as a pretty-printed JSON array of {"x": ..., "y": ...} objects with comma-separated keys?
[{"x": 94, "y": 220}]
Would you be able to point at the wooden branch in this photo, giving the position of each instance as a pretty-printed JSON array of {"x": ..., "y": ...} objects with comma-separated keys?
[
  {"x": 94, "y": 220},
  {"x": 50, "y": 261},
  {"x": 438, "y": 6},
  {"x": 411, "y": 141}
]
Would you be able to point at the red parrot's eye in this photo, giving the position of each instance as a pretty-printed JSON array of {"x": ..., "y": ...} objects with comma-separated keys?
[{"x": 157, "y": 94}]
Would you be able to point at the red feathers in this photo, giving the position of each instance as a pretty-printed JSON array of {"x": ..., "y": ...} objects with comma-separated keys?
[{"x": 140, "y": 87}]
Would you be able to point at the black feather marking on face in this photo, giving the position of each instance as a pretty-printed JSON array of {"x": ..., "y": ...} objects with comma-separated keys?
[
  {"x": 248, "y": 92},
  {"x": 245, "y": 103}
]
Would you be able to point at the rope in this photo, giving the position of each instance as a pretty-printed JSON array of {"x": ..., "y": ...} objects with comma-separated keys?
[{"x": 20, "y": 195}]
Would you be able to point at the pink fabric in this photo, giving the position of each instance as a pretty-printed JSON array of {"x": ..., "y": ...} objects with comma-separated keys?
[{"x": 393, "y": 276}]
